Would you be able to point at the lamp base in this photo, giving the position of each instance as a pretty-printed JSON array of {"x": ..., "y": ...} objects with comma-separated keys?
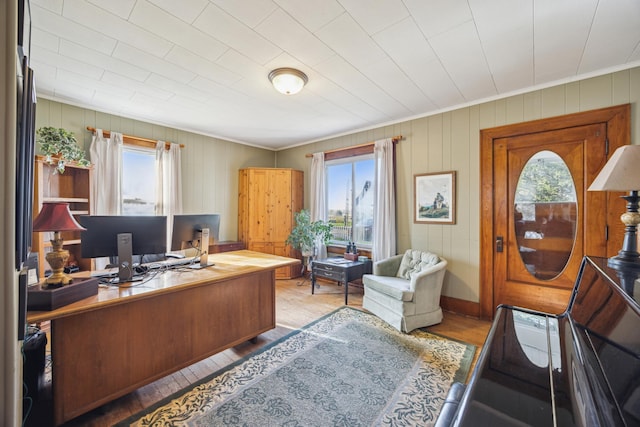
[
  {"x": 57, "y": 280},
  {"x": 628, "y": 270},
  {"x": 624, "y": 263},
  {"x": 43, "y": 298}
]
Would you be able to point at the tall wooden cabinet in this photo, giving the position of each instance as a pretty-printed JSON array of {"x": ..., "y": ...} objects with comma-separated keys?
[
  {"x": 72, "y": 186},
  {"x": 268, "y": 200}
]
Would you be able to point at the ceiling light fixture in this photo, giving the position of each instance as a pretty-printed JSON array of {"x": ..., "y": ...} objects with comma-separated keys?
[{"x": 288, "y": 81}]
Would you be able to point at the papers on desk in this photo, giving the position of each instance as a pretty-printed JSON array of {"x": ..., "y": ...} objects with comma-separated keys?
[{"x": 338, "y": 260}]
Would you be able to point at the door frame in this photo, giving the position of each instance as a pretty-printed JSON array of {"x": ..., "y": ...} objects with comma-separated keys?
[{"x": 617, "y": 120}]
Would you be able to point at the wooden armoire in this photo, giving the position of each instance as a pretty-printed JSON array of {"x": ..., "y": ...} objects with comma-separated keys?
[{"x": 268, "y": 199}]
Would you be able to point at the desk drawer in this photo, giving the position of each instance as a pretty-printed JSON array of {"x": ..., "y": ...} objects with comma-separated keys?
[{"x": 329, "y": 273}]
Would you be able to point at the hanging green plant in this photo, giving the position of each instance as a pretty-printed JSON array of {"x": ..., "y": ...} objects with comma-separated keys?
[{"x": 60, "y": 146}]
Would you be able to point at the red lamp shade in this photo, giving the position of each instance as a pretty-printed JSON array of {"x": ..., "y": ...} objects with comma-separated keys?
[{"x": 56, "y": 216}]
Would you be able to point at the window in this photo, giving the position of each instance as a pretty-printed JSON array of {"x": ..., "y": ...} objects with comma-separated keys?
[
  {"x": 350, "y": 199},
  {"x": 138, "y": 181}
]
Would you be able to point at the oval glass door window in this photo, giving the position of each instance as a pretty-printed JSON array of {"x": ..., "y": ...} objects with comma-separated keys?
[{"x": 545, "y": 215}]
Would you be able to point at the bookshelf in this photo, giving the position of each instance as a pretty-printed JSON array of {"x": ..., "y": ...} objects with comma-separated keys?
[{"x": 74, "y": 187}]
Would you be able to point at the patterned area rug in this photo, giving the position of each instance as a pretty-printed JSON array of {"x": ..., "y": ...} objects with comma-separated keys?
[{"x": 347, "y": 368}]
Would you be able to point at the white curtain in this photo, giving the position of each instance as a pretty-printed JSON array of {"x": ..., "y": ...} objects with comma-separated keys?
[
  {"x": 318, "y": 197},
  {"x": 106, "y": 156},
  {"x": 318, "y": 191},
  {"x": 384, "y": 218},
  {"x": 169, "y": 184}
]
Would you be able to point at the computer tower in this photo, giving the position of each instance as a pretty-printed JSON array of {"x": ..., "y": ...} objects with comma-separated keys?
[{"x": 33, "y": 370}]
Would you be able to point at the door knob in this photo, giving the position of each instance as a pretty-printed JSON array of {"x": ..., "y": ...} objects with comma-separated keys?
[{"x": 499, "y": 244}]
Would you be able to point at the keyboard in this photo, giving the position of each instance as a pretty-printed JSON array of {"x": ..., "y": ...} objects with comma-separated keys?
[{"x": 169, "y": 263}]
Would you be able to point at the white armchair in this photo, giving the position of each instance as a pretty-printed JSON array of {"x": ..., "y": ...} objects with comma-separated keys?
[{"x": 404, "y": 290}]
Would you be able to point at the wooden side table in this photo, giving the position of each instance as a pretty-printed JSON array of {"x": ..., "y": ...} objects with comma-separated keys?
[{"x": 339, "y": 269}]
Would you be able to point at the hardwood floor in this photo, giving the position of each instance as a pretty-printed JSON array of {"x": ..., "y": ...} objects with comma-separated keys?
[{"x": 295, "y": 307}]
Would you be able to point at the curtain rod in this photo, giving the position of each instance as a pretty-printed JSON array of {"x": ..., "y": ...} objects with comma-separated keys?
[
  {"x": 134, "y": 140},
  {"x": 394, "y": 139}
]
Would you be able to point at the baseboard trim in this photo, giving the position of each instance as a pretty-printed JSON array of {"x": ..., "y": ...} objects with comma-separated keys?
[{"x": 460, "y": 306}]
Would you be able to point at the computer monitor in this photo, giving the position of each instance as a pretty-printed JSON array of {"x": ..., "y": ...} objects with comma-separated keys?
[
  {"x": 188, "y": 233},
  {"x": 123, "y": 237}
]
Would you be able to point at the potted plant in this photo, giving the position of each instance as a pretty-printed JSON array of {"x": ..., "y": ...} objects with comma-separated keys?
[
  {"x": 306, "y": 233},
  {"x": 61, "y": 146}
]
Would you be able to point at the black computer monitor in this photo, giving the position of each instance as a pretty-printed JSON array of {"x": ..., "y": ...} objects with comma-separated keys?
[
  {"x": 186, "y": 230},
  {"x": 148, "y": 234}
]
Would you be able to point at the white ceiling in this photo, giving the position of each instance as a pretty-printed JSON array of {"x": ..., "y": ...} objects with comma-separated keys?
[{"x": 202, "y": 65}]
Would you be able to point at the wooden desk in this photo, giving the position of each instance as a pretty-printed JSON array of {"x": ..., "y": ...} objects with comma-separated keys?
[{"x": 123, "y": 338}]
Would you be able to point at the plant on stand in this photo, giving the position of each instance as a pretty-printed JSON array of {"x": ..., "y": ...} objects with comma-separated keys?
[
  {"x": 60, "y": 146},
  {"x": 307, "y": 234}
]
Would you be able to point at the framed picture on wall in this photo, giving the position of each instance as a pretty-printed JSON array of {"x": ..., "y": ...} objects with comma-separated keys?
[{"x": 434, "y": 196}]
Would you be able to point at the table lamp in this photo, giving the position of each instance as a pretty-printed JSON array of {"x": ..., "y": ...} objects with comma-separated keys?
[
  {"x": 622, "y": 173},
  {"x": 56, "y": 217}
]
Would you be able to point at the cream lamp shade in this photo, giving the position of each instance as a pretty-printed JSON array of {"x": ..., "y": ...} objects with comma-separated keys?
[
  {"x": 622, "y": 171},
  {"x": 288, "y": 81}
]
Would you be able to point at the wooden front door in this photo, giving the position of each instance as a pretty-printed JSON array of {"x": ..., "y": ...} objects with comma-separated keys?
[
  {"x": 543, "y": 246},
  {"x": 537, "y": 227}
]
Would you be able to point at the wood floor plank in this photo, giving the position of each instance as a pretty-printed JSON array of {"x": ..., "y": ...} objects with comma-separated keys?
[{"x": 295, "y": 308}]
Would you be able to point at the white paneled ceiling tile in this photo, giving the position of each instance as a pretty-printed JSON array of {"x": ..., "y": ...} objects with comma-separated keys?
[
  {"x": 134, "y": 85},
  {"x": 44, "y": 39},
  {"x": 394, "y": 42},
  {"x": 158, "y": 21},
  {"x": 258, "y": 88},
  {"x": 102, "y": 61},
  {"x": 416, "y": 59},
  {"x": 461, "y": 53},
  {"x": 350, "y": 41},
  {"x": 52, "y": 5},
  {"x": 108, "y": 102},
  {"x": 112, "y": 25},
  {"x": 73, "y": 92},
  {"x": 193, "y": 62},
  {"x": 312, "y": 14},
  {"x": 122, "y": 8},
  {"x": 145, "y": 101},
  {"x": 437, "y": 85},
  {"x": 375, "y": 19},
  {"x": 351, "y": 80},
  {"x": 435, "y": 17},
  {"x": 116, "y": 90},
  {"x": 184, "y": 91},
  {"x": 347, "y": 101},
  {"x": 152, "y": 63},
  {"x": 187, "y": 10},
  {"x": 615, "y": 34},
  {"x": 396, "y": 84},
  {"x": 569, "y": 20},
  {"x": 249, "y": 12},
  {"x": 240, "y": 64},
  {"x": 216, "y": 90},
  {"x": 180, "y": 103},
  {"x": 55, "y": 24},
  {"x": 284, "y": 31},
  {"x": 66, "y": 63},
  {"x": 43, "y": 71},
  {"x": 506, "y": 30},
  {"x": 224, "y": 27}
]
